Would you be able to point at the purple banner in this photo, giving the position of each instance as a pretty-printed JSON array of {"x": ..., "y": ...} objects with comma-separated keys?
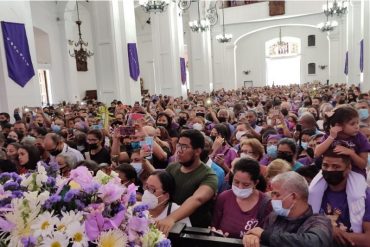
[
  {"x": 362, "y": 55},
  {"x": 346, "y": 64},
  {"x": 18, "y": 58},
  {"x": 133, "y": 61},
  {"x": 183, "y": 70}
]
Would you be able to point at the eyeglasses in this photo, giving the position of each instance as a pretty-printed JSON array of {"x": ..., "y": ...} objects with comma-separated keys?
[{"x": 182, "y": 147}]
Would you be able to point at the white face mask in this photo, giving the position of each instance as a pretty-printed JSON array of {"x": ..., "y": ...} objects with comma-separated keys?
[
  {"x": 150, "y": 199},
  {"x": 198, "y": 126},
  {"x": 138, "y": 167},
  {"x": 239, "y": 134},
  {"x": 242, "y": 193},
  {"x": 277, "y": 206},
  {"x": 248, "y": 156}
]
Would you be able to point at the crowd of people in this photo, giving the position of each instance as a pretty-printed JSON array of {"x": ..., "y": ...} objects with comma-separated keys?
[{"x": 273, "y": 166}]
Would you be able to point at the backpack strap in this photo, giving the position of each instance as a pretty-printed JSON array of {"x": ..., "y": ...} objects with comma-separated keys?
[
  {"x": 169, "y": 208},
  {"x": 262, "y": 209}
]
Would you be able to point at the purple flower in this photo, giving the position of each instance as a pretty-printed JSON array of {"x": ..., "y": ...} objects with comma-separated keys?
[
  {"x": 50, "y": 182},
  {"x": 79, "y": 204},
  {"x": 51, "y": 168},
  {"x": 164, "y": 243},
  {"x": 17, "y": 194},
  {"x": 29, "y": 241},
  {"x": 51, "y": 201},
  {"x": 111, "y": 192},
  {"x": 82, "y": 176},
  {"x": 92, "y": 188},
  {"x": 10, "y": 185},
  {"x": 70, "y": 195},
  {"x": 132, "y": 199},
  {"x": 138, "y": 224}
]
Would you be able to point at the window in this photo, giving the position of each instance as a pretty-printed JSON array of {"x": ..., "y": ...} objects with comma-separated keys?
[
  {"x": 311, "y": 40},
  {"x": 311, "y": 68}
]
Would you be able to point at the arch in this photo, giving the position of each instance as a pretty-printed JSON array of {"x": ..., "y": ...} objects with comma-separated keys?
[{"x": 42, "y": 43}]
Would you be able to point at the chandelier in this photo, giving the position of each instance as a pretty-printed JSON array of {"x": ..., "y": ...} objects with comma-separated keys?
[
  {"x": 81, "y": 54},
  {"x": 335, "y": 8},
  {"x": 223, "y": 38},
  {"x": 327, "y": 26},
  {"x": 200, "y": 25},
  {"x": 154, "y": 6}
]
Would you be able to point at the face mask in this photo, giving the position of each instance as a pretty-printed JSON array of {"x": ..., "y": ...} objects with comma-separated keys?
[
  {"x": 10, "y": 140},
  {"x": 278, "y": 208},
  {"x": 135, "y": 145},
  {"x": 199, "y": 114},
  {"x": 81, "y": 148},
  {"x": 284, "y": 112},
  {"x": 182, "y": 121},
  {"x": 198, "y": 126},
  {"x": 304, "y": 145},
  {"x": 247, "y": 156},
  {"x": 55, "y": 128},
  {"x": 177, "y": 110},
  {"x": 222, "y": 119},
  {"x": 138, "y": 167},
  {"x": 333, "y": 177},
  {"x": 55, "y": 152},
  {"x": 3, "y": 122},
  {"x": 93, "y": 146},
  {"x": 242, "y": 193},
  {"x": 239, "y": 134},
  {"x": 213, "y": 138},
  {"x": 285, "y": 156},
  {"x": 150, "y": 199},
  {"x": 363, "y": 113},
  {"x": 272, "y": 151},
  {"x": 161, "y": 125}
]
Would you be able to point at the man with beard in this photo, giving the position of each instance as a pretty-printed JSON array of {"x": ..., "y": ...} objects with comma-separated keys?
[{"x": 196, "y": 183}]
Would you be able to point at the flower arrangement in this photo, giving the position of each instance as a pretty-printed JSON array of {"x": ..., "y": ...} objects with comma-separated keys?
[{"x": 44, "y": 209}]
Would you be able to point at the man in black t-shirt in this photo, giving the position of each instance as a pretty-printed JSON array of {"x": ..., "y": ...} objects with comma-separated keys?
[{"x": 96, "y": 152}]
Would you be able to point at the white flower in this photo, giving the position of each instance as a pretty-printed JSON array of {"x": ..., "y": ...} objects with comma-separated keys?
[
  {"x": 76, "y": 232},
  {"x": 4, "y": 194},
  {"x": 44, "y": 224},
  {"x": 112, "y": 238},
  {"x": 67, "y": 219},
  {"x": 56, "y": 240}
]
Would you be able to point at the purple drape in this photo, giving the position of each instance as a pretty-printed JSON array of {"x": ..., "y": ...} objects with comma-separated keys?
[
  {"x": 362, "y": 56},
  {"x": 133, "y": 61},
  {"x": 18, "y": 58},
  {"x": 346, "y": 64},
  {"x": 183, "y": 70}
]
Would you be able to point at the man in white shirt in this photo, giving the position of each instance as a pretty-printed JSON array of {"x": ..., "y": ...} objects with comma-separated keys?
[{"x": 55, "y": 145}]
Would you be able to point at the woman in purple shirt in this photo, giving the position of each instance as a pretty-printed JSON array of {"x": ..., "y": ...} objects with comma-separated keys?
[{"x": 245, "y": 206}]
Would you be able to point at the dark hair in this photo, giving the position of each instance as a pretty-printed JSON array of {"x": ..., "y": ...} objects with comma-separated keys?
[
  {"x": 33, "y": 156},
  {"x": 309, "y": 132},
  {"x": 55, "y": 138},
  {"x": 308, "y": 171},
  {"x": 169, "y": 119},
  {"x": 128, "y": 170},
  {"x": 195, "y": 136},
  {"x": 222, "y": 130},
  {"x": 330, "y": 153},
  {"x": 5, "y": 114},
  {"x": 251, "y": 167},
  {"x": 184, "y": 112},
  {"x": 290, "y": 142},
  {"x": 97, "y": 133},
  {"x": 89, "y": 164},
  {"x": 41, "y": 131},
  {"x": 342, "y": 114},
  {"x": 164, "y": 134},
  {"x": 167, "y": 181}
]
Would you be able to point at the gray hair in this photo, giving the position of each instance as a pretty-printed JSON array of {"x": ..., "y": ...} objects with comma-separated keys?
[
  {"x": 70, "y": 161},
  {"x": 292, "y": 182}
]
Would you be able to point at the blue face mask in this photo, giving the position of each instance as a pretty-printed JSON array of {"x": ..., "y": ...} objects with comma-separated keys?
[
  {"x": 272, "y": 151},
  {"x": 363, "y": 113},
  {"x": 304, "y": 145},
  {"x": 135, "y": 145},
  {"x": 55, "y": 128},
  {"x": 277, "y": 206}
]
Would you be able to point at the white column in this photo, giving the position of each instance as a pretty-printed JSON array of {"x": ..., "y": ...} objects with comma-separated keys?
[
  {"x": 168, "y": 47},
  {"x": 124, "y": 32},
  {"x": 11, "y": 94},
  {"x": 201, "y": 54},
  {"x": 365, "y": 86},
  {"x": 354, "y": 39}
]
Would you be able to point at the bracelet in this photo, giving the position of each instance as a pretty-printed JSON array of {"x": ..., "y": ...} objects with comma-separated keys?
[{"x": 330, "y": 137}]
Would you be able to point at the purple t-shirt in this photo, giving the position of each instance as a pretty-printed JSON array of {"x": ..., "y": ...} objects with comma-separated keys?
[
  {"x": 359, "y": 143},
  {"x": 334, "y": 205},
  {"x": 229, "y": 154},
  {"x": 229, "y": 217}
]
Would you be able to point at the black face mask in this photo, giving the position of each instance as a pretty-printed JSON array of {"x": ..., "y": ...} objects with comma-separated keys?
[
  {"x": 285, "y": 156},
  {"x": 199, "y": 114},
  {"x": 55, "y": 152},
  {"x": 40, "y": 124},
  {"x": 222, "y": 119},
  {"x": 182, "y": 121},
  {"x": 333, "y": 177},
  {"x": 213, "y": 138},
  {"x": 162, "y": 125},
  {"x": 285, "y": 112},
  {"x": 93, "y": 146},
  {"x": 10, "y": 140},
  {"x": 3, "y": 122},
  {"x": 28, "y": 120}
]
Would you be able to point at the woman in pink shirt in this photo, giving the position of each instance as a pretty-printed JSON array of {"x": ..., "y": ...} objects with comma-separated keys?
[{"x": 245, "y": 206}]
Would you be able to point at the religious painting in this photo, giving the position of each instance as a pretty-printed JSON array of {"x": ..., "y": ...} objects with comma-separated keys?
[{"x": 277, "y": 8}]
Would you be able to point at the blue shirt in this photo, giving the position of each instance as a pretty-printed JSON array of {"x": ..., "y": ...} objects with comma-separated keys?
[{"x": 220, "y": 175}]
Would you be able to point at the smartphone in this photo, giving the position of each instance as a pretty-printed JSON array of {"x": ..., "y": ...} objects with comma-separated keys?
[
  {"x": 127, "y": 130},
  {"x": 298, "y": 128}
]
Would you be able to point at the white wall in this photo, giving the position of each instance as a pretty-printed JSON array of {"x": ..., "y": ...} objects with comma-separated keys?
[
  {"x": 250, "y": 54},
  {"x": 11, "y": 94}
]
